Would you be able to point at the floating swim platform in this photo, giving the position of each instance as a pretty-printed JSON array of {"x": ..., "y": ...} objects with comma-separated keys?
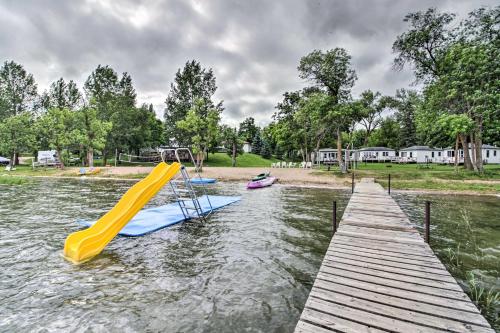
[
  {"x": 152, "y": 219},
  {"x": 203, "y": 180}
]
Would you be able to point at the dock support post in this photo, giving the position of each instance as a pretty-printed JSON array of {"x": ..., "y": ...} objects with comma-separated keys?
[
  {"x": 352, "y": 183},
  {"x": 389, "y": 185},
  {"x": 334, "y": 216},
  {"x": 427, "y": 226}
]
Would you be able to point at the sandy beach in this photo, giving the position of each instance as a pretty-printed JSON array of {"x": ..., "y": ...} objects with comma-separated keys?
[{"x": 293, "y": 176}]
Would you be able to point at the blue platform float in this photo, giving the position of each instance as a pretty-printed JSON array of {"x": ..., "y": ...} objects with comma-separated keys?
[
  {"x": 203, "y": 180},
  {"x": 152, "y": 219}
]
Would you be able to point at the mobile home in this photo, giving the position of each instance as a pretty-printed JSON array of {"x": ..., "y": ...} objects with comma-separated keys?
[
  {"x": 376, "y": 154},
  {"x": 421, "y": 154},
  {"x": 489, "y": 153}
]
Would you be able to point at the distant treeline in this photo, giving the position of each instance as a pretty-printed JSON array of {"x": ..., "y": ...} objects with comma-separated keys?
[{"x": 458, "y": 64}]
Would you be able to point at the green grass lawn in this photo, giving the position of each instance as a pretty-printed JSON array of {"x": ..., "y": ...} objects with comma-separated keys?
[
  {"x": 243, "y": 160},
  {"x": 27, "y": 170},
  {"x": 413, "y": 171},
  {"x": 436, "y": 177}
]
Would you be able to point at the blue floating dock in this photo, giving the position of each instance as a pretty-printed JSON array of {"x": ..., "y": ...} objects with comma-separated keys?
[
  {"x": 203, "y": 180},
  {"x": 155, "y": 218}
]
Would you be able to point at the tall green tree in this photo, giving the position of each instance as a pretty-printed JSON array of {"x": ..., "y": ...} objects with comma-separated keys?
[
  {"x": 102, "y": 89},
  {"x": 191, "y": 83},
  {"x": 372, "y": 104},
  {"x": 92, "y": 131},
  {"x": 470, "y": 86},
  {"x": 58, "y": 127},
  {"x": 387, "y": 135},
  {"x": 406, "y": 103},
  {"x": 257, "y": 143},
  {"x": 16, "y": 135},
  {"x": 455, "y": 126},
  {"x": 247, "y": 129},
  {"x": 284, "y": 131},
  {"x": 232, "y": 142},
  {"x": 135, "y": 128},
  {"x": 424, "y": 44},
  {"x": 311, "y": 120},
  {"x": 18, "y": 90},
  {"x": 62, "y": 95},
  {"x": 202, "y": 125},
  {"x": 460, "y": 67},
  {"x": 331, "y": 71}
]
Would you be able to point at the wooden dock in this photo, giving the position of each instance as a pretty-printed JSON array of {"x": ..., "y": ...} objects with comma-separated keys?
[{"x": 379, "y": 275}]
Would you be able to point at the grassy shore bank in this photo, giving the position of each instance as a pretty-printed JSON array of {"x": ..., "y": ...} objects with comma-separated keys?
[
  {"x": 403, "y": 177},
  {"x": 417, "y": 177}
]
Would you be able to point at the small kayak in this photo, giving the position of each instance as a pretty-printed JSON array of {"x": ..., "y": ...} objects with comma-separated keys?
[
  {"x": 261, "y": 183},
  {"x": 261, "y": 176}
]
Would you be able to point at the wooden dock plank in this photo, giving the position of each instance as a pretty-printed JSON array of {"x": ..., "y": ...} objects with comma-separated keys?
[
  {"x": 409, "y": 258},
  {"x": 331, "y": 289},
  {"x": 396, "y": 312},
  {"x": 342, "y": 268},
  {"x": 378, "y": 275},
  {"x": 406, "y": 291}
]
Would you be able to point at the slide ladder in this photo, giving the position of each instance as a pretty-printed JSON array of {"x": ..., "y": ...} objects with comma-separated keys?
[{"x": 186, "y": 192}]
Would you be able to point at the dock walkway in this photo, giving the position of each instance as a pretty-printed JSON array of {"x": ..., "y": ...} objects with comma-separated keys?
[{"x": 379, "y": 275}]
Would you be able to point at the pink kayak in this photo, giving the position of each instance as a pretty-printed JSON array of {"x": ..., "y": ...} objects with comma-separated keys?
[{"x": 261, "y": 183}]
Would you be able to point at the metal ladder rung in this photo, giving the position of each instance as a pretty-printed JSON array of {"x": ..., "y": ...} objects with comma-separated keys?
[{"x": 182, "y": 190}]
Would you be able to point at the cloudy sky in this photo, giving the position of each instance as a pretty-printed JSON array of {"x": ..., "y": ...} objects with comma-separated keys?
[{"x": 253, "y": 46}]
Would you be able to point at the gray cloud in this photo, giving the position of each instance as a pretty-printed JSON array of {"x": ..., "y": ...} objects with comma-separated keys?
[{"x": 253, "y": 46}]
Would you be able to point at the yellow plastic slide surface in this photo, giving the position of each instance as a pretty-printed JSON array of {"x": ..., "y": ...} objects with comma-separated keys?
[{"x": 85, "y": 244}]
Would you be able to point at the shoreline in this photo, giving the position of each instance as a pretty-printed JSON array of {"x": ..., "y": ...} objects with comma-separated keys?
[{"x": 284, "y": 183}]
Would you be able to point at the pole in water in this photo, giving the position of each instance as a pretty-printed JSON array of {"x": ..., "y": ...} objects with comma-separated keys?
[
  {"x": 427, "y": 226},
  {"x": 389, "y": 185},
  {"x": 334, "y": 216},
  {"x": 352, "y": 183}
]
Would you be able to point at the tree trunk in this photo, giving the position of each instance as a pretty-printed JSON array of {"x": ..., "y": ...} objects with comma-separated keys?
[
  {"x": 90, "y": 157},
  {"x": 465, "y": 147},
  {"x": 233, "y": 156},
  {"x": 104, "y": 157},
  {"x": 367, "y": 136},
  {"x": 60, "y": 158},
  {"x": 473, "y": 149},
  {"x": 456, "y": 153},
  {"x": 339, "y": 151},
  {"x": 199, "y": 161},
  {"x": 479, "y": 147},
  {"x": 347, "y": 158},
  {"x": 12, "y": 161},
  {"x": 305, "y": 147}
]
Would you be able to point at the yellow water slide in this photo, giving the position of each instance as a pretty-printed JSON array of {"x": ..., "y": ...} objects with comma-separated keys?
[{"x": 85, "y": 244}]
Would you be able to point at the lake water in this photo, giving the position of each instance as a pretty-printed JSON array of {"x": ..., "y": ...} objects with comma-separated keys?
[{"x": 249, "y": 268}]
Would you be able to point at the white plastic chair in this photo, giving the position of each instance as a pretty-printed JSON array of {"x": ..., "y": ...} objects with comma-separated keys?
[
  {"x": 308, "y": 165},
  {"x": 273, "y": 165},
  {"x": 302, "y": 165}
]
